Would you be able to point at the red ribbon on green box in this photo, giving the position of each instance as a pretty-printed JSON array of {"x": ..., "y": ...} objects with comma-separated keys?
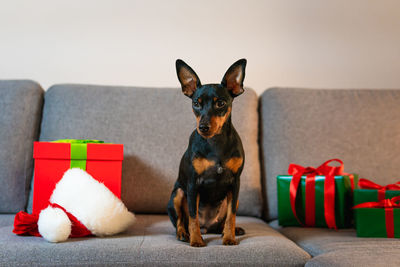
[
  {"x": 78, "y": 151},
  {"x": 367, "y": 184},
  {"x": 329, "y": 190},
  {"x": 388, "y": 205}
]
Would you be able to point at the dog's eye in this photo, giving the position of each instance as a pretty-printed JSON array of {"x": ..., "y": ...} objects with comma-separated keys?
[
  {"x": 196, "y": 104},
  {"x": 220, "y": 104}
]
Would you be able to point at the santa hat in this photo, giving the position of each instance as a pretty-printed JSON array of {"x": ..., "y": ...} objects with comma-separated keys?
[{"x": 79, "y": 206}]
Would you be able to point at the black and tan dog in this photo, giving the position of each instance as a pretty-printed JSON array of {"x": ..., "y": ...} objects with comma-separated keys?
[{"x": 205, "y": 196}]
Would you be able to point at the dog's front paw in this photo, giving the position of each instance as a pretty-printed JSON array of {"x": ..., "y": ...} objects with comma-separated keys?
[
  {"x": 197, "y": 243},
  {"x": 229, "y": 242}
]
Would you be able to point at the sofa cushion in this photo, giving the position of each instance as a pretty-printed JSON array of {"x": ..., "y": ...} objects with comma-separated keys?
[
  {"x": 20, "y": 113},
  {"x": 309, "y": 126},
  {"x": 151, "y": 241},
  {"x": 154, "y": 125},
  {"x": 342, "y": 247},
  {"x": 358, "y": 258},
  {"x": 6, "y": 219}
]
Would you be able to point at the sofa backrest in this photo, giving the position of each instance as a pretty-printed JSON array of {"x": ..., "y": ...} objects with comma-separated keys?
[
  {"x": 154, "y": 125},
  {"x": 20, "y": 113},
  {"x": 309, "y": 126}
]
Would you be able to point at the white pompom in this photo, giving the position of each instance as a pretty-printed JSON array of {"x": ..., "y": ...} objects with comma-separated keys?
[
  {"x": 92, "y": 203},
  {"x": 54, "y": 225}
]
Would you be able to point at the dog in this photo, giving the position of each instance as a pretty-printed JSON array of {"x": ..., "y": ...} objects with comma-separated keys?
[{"x": 205, "y": 196}]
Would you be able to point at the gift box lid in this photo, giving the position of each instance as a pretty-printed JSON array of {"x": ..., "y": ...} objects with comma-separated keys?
[
  {"x": 78, "y": 149},
  {"x": 368, "y": 195}
]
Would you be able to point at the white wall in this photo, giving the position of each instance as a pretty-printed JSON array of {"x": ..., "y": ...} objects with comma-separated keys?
[{"x": 309, "y": 43}]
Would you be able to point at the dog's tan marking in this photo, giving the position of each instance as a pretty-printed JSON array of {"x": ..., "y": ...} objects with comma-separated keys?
[
  {"x": 229, "y": 227},
  {"x": 194, "y": 228},
  {"x": 234, "y": 164},
  {"x": 178, "y": 200},
  {"x": 197, "y": 120},
  {"x": 198, "y": 123},
  {"x": 202, "y": 164},
  {"x": 217, "y": 122}
]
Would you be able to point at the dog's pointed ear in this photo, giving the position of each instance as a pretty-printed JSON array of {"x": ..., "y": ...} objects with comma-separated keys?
[
  {"x": 234, "y": 76},
  {"x": 187, "y": 77}
]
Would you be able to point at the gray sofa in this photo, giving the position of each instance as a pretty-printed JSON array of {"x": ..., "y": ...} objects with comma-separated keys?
[{"x": 283, "y": 125}]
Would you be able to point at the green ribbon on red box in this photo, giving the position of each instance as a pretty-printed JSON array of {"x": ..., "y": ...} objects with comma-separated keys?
[
  {"x": 367, "y": 184},
  {"x": 388, "y": 205},
  {"x": 78, "y": 151},
  {"x": 329, "y": 190}
]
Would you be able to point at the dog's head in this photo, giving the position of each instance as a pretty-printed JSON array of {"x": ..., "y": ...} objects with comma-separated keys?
[{"x": 212, "y": 103}]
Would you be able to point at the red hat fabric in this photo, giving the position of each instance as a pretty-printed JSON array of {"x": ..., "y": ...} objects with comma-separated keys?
[{"x": 27, "y": 224}]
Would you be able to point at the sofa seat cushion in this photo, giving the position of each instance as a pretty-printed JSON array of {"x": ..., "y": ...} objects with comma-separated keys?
[
  {"x": 342, "y": 247},
  {"x": 20, "y": 113},
  {"x": 364, "y": 257},
  {"x": 154, "y": 124},
  {"x": 151, "y": 241},
  {"x": 6, "y": 219}
]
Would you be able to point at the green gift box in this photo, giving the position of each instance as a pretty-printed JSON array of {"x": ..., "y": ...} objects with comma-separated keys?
[
  {"x": 343, "y": 200},
  {"x": 378, "y": 219},
  {"x": 369, "y": 191}
]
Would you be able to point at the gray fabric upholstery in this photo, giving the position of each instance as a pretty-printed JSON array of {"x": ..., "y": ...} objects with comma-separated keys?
[
  {"x": 20, "y": 112},
  {"x": 343, "y": 247},
  {"x": 154, "y": 125},
  {"x": 6, "y": 219},
  {"x": 365, "y": 257},
  {"x": 317, "y": 241},
  {"x": 151, "y": 242},
  {"x": 309, "y": 126}
]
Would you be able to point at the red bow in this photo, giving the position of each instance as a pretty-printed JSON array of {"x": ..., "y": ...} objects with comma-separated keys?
[
  {"x": 367, "y": 184},
  {"x": 26, "y": 224},
  {"x": 329, "y": 190},
  {"x": 388, "y": 205}
]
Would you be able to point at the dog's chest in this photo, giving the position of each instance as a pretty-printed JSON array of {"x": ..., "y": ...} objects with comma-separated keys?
[
  {"x": 211, "y": 173},
  {"x": 215, "y": 172},
  {"x": 211, "y": 215}
]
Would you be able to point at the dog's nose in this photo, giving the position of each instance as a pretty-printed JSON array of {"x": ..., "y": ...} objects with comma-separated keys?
[{"x": 204, "y": 128}]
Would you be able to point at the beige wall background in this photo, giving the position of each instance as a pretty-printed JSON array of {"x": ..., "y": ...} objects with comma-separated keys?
[{"x": 309, "y": 43}]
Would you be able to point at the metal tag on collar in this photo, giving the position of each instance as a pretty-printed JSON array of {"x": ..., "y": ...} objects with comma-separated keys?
[{"x": 220, "y": 169}]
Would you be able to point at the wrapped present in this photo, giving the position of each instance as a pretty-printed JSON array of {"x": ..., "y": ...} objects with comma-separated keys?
[
  {"x": 316, "y": 197},
  {"x": 378, "y": 219},
  {"x": 369, "y": 191},
  {"x": 53, "y": 159}
]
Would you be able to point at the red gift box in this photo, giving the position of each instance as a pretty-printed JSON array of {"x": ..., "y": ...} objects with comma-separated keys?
[{"x": 52, "y": 159}]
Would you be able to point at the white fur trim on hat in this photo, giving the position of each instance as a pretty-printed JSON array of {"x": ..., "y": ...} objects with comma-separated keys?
[
  {"x": 92, "y": 203},
  {"x": 54, "y": 225}
]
